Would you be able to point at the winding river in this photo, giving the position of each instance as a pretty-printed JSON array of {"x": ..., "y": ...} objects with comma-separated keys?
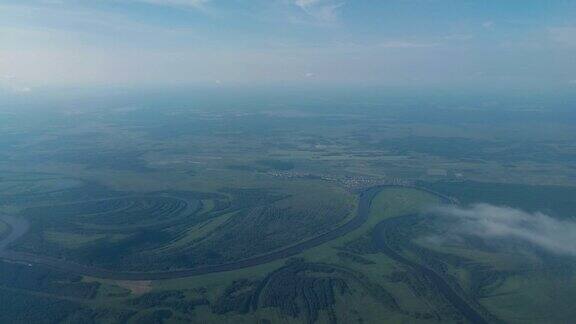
[
  {"x": 20, "y": 226},
  {"x": 379, "y": 235}
]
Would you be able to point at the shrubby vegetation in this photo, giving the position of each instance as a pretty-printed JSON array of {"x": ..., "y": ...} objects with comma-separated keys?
[
  {"x": 174, "y": 299},
  {"x": 299, "y": 290},
  {"x": 241, "y": 297},
  {"x": 39, "y": 279},
  {"x": 155, "y": 317},
  {"x": 303, "y": 290},
  {"x": 140, "y": 233},
  {"x": 361, "y": 245},
  {"x": 16, "y": 307}
]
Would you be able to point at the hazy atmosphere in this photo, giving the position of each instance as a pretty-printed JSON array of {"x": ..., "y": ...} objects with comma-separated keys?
[
  {"x": 399, "y": 42},
  {"x": 287, "y": 161}
]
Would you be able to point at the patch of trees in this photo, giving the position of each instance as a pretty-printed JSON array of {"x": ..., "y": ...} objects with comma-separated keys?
[
  {"x": 99, "y": 315},
  {"x": 262, "y": 229},
  {"x": 361, "y": 245},
  {"x": 238, "y": 297},
  {"x": 244, "y": 198},
  {"x": 89, "y": 190},
  {"x": 155, "y": 317},
  {"x": 416, "y": 282},
  {"x": 303, "y": 290},
  {"x": 192, "y": 195},
  {"x": 122, "y": 228},
  {"x": 299, "y": 290},
  {"x": 128, "y": 232},
  {"x": 220, "y": 205},
  {"x": 17, "y": 307},
  {"x": 36, "y": 278},
  {"x": 173, "y": 299},
  {"x": 118, "y": 255},
  {"x": 119, "y": 211}
]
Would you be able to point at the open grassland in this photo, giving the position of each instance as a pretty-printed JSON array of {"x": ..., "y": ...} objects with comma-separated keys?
[{"x": 524, "y": 298}]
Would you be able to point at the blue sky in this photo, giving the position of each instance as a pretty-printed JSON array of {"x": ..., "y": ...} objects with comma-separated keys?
[{"x": 219, "y": 42}]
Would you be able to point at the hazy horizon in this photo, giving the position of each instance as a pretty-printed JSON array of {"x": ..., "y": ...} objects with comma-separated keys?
[
  {"x": 415, "y": 43},
  {"x": 287, "y": 161}
]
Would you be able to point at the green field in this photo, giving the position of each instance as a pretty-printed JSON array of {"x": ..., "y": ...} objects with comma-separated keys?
[
  {"x": 370, "y": 293},
  {"x": 179, "y": 189},
  {"x": 350, "y": 278}
]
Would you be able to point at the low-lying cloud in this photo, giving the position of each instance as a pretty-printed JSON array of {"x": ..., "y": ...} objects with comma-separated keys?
[{"x": 493, "y": 222}]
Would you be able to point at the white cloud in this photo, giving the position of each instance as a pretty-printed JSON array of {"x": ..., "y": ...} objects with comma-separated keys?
[
  {"x": 322, "y": 10},
  {"x": 488, "y": 25},
  {"x": 199, "y": 4},
  {"x": 493, "y": 222}
]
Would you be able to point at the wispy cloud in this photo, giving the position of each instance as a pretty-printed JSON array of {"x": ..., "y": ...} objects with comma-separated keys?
[
  {"x": 198, "y": 4},
  {"x": 89, "y": 42},
  {"x": 175, "y": 3},
  {"x": 406, "y": 44},
  {"x": 488, "y": 25},
  {"x": 493, "y": 222},
  {"x": 322, "y": 10}
]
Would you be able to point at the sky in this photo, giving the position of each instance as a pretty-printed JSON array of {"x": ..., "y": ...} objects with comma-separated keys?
[{"x": 50, "y": 43}]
